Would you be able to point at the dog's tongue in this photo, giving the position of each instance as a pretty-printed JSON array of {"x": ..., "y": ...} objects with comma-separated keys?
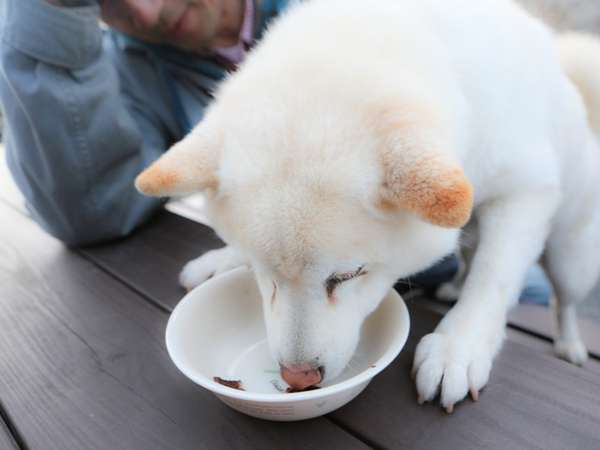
[{"x": 300, "y": 378}]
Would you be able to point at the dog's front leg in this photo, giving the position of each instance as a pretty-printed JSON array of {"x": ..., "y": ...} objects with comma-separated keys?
[
  {"x": 457, "y": 357},
  {"x": 212, "y": 263}
]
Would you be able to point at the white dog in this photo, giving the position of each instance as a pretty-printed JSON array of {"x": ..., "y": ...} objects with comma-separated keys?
[{"x": 354, "y": 144}]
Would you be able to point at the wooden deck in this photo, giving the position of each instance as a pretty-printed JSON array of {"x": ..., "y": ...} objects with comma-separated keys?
[{"x": 84, "y": 365}]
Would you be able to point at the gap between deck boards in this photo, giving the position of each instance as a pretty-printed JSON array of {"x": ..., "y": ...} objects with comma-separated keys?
[{"x": 11, "y": 438}]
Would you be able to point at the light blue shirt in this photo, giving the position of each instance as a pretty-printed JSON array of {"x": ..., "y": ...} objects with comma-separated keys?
[{"x": 86, "y": 110}]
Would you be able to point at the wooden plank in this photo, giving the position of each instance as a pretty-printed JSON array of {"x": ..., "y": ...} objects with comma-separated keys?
[
  {"x": 162, "y": 246},
  {"x": 536, "y": 320},
  {"x": 545, "y": 347},
  {"x": 516, "y": 334},
  {"x": 8, "y": 189},
  {"x": 7, "y": 440},
  {"x": 539, "y": 320},
  {"x": 83, "y": 363},
  {"x": 532, "y": 401}
]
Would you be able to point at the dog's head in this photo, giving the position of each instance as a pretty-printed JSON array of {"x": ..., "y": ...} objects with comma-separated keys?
[{"x": 331, "y": 208}]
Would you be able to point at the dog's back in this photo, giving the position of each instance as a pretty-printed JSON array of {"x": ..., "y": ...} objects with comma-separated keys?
[{"x": 494, "y": 69}]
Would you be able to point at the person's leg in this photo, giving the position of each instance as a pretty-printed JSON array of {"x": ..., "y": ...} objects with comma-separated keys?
[
  {"x": 450, "y": 290},
  {"x": 537, "y": 289}
]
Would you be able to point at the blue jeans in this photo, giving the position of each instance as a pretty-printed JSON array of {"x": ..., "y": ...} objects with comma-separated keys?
[{"x": 537, "y": 289}]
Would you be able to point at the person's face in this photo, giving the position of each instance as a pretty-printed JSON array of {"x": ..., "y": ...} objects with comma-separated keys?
[{"x": 190, "y": 25}]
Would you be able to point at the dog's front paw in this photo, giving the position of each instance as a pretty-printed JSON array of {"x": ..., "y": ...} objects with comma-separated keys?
[
  {"x": 449, "y": 291},
  {"x": 572, "y": 350},
  {"x": 452, "y": 366},
  {"x": 212, "y": 263}
]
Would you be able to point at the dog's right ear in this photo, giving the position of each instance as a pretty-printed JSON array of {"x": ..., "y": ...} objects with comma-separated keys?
[
  {"x": 189, "y": 166},
  {"x": 436, "y": 190},
  {"x": 417, "y": 174}
]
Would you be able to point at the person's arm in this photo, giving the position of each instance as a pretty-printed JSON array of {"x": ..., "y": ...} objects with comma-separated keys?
[
  {"x": 74, "y": 141},
  {"x": 73, "y": 3}
]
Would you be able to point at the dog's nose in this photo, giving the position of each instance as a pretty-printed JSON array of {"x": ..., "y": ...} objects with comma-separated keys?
[{"x": 301, "y": 376}]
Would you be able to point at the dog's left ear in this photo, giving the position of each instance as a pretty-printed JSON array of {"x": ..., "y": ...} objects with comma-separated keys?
[
  {"x": 189, "y": 166},
  {"x": 418, "y": 175},
  {"x": 436, "y": 191}
]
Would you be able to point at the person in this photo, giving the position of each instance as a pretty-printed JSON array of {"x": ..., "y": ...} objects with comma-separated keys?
[{"x": 87, "y": 108}]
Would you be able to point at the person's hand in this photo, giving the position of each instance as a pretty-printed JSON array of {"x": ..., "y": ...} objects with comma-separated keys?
[{"x": 139, "y": 14}]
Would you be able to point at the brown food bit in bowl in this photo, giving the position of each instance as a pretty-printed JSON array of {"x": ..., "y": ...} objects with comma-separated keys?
[
  {"x": 234, "y": 384},
  {"x": 310, "y": 388}
]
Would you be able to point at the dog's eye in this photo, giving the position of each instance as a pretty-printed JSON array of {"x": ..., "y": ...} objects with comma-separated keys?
[{"x": 337, "y": 278}]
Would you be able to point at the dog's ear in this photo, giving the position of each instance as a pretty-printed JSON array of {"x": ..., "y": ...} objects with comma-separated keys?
[
  {"x": 437, "y": 191},
  {"x": 416, "y": 174},
  {"x": 189, "y": 166}
]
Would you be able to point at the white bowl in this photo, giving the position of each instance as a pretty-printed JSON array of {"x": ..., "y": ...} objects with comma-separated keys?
[{"x": 217, "y": 330}]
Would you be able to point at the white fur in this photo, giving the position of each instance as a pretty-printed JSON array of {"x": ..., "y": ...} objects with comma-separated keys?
[
  {"x": 208, "y": 265},
  {"x": 299, "y": 175},
  {"x": 579, "y": 55}
]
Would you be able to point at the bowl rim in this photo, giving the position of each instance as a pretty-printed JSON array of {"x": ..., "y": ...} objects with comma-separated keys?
[{"x": 385, "y": 360}]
